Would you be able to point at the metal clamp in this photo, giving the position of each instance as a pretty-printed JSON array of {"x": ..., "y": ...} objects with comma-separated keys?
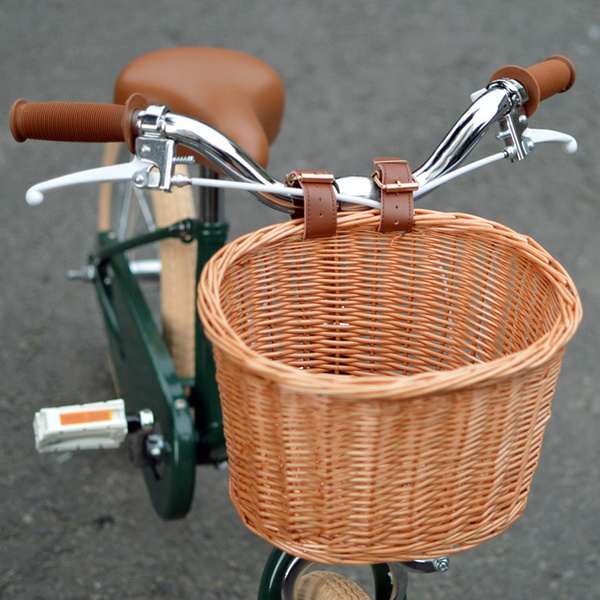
[
  {"x": 159, "y": 153},
  {"x": 512, "y": 129},
  {"x": 150, "y": 121}
]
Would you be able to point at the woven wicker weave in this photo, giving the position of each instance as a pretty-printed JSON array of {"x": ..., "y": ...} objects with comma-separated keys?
[{"x": 385, "y": 395}]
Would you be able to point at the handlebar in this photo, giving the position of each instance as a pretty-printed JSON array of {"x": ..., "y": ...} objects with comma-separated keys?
[{"x": 512, "y": 90}]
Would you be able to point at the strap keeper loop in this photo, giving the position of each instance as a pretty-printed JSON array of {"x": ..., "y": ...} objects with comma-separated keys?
[
  {"x": 320, "y": 202},
  {"x": 308, "y": 177}
]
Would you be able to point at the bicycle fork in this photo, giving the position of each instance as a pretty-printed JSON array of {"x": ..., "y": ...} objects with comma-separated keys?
[{"x": 282, "y": 572}]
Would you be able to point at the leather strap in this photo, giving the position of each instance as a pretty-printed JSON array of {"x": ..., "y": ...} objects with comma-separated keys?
[
  {"x": 320, "y": 204},
  {"x": 394, "y": 177}
]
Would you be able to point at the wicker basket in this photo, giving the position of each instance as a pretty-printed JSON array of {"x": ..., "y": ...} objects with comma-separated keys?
[{"x": 385, "y": 395}]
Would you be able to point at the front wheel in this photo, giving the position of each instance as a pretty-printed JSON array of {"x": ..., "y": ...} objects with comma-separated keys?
[
  {"x": 287, "y": 577},
  {"x": 324, "y": 585}
]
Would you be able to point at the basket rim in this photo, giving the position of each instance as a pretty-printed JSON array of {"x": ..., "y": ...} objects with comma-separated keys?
[{"x": 536, "y": 354}]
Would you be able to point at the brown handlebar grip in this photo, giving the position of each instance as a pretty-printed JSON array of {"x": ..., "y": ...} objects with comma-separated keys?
[
  {"x": 76, "y": 121},
  {"x": 554, "y": 75}
]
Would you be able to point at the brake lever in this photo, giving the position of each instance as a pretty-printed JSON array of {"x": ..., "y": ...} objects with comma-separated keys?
[
  {"x": 136, "y": 170},
  {"x": 514, "y": 128},
  {"x": 542, "y": 136}
]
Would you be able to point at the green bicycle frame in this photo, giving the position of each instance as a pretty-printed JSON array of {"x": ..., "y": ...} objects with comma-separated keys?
[{"x": 191, "y": 424}]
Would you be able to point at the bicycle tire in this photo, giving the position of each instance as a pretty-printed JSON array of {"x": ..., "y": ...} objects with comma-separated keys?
[
  {"x": 325, "y": 585},
  {"x": 177, "y": 280}
]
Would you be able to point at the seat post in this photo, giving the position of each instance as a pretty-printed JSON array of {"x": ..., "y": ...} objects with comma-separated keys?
[{"x": 210, "y": 198}]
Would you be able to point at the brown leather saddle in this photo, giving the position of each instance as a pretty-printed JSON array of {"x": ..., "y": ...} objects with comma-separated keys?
[{"x": 238, "y": 94}]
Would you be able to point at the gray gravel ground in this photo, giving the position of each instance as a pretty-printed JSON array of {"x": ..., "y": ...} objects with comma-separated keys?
[{"x": 363, "y": 78}]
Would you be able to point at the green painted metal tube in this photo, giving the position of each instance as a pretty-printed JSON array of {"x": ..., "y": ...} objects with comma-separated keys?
[{"x": 205, "y": 396}]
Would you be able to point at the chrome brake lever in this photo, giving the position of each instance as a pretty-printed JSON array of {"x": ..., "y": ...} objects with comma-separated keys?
[
  {"x": 542, "y": 136},
  {"x": 515, "y": 131},
  {"x": 131, "y": 171}
]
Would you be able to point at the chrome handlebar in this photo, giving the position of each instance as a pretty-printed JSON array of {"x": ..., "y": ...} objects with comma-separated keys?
[
  {"x": 501, "y": 100},
  {"x": 160, "y": 131}
]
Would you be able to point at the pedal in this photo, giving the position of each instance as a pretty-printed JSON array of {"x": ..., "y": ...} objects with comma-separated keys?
[
  {"x": 87, "y": 273},
  {"x": 80, "y": 427}
]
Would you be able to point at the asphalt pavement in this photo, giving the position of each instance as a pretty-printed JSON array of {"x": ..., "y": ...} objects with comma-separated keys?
[{"x": 363, "y": 79}]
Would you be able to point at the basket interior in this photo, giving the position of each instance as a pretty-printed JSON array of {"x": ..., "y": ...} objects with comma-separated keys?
[{"x": 363, "y": 303}]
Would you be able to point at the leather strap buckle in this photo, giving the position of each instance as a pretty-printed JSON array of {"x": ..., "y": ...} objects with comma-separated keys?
[
  {"x": 394, "y": 178},
  {"x": 395, "y": 188}
]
